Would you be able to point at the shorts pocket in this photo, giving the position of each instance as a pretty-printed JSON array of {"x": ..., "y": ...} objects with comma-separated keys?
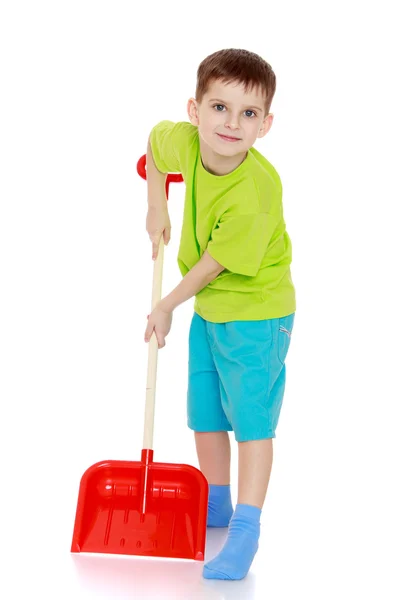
[{"x": 284, "y": 336}]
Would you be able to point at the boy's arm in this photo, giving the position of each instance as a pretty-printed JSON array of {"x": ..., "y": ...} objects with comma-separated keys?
[
  {"x": 157, "y": 222},
  {"x": 159, "y": 321},
  {"x": 203, "y": 272},
  {"x": 156, "y": 196},
  {"x": 166, "y": 153}
]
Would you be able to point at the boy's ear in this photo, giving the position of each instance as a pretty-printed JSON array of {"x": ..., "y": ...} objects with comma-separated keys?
[
  {"x": 266, "y": 125},
  {"x": 193, "y": 112}
]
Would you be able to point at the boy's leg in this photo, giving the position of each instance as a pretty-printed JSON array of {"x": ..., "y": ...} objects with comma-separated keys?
[
  {"x": 253, "y": 405},
  {"x": 214, "y": 454},
  {"x": 207, "y": 419},
  {"x": 255, "y": 464},
  {"x": 235, "y": 559}
]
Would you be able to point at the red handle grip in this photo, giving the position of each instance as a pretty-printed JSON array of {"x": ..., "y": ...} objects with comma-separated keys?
[{"x": 171, "y": 177}]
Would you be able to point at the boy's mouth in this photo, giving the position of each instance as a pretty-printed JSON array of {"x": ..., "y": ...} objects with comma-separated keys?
[{"x": 228, "y": 138}]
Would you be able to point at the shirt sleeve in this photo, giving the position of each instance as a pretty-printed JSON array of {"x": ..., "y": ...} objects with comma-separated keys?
[
  {"x": 240, "y": 242},
  {"x": 164, "y": 141}
]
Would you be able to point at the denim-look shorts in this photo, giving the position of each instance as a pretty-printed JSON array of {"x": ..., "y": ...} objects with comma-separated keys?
[{"x": 237, "y": 376}]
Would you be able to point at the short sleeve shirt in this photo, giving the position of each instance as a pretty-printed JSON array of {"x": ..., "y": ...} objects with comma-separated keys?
[{"x": 238, "y": 219}]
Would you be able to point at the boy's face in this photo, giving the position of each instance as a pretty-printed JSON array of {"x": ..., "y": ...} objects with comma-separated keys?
[{"x": 229, "y": 119}]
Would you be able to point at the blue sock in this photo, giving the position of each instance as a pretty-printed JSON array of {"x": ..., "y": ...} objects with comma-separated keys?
[
  {"x": 219, "y": 506},
  {"x": 235, "y": 558}
]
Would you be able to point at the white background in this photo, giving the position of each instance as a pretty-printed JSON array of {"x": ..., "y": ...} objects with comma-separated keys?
[{"x": 82, "y": 83}]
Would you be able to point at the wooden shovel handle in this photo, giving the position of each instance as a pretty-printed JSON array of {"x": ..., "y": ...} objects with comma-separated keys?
[{"x": 153, "y": 354}]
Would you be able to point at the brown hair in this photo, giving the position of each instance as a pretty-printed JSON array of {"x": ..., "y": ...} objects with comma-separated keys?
[{"x": 237, "y": 65}]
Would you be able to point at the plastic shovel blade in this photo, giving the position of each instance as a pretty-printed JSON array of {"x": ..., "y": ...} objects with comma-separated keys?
[{"x": 143, "y": 508}]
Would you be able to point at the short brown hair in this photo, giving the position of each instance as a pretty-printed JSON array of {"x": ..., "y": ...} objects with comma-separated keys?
[{"x": 237, "y": 65}]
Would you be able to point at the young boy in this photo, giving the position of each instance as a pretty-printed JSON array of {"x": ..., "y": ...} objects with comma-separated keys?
[{"x": 235, "y": 257}]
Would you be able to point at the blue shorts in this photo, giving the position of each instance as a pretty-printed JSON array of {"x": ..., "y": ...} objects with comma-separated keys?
[{"x": 237, "y": 376}]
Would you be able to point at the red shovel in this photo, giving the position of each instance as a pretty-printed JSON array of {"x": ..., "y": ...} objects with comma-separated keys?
[{"x": 143, "y": 507}]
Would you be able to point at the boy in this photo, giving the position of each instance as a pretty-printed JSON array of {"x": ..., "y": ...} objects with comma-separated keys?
[{"x": 235, "y": 257}]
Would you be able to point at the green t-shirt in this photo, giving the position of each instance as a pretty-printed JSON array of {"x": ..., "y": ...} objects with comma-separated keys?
[{"x": 238, "y": 218}]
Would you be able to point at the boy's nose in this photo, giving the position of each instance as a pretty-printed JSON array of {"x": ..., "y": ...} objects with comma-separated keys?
[{"x": 232, "y": 123}]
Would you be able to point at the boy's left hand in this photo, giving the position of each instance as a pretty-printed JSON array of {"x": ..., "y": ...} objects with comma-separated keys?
[{"x": 160, "y": 322}]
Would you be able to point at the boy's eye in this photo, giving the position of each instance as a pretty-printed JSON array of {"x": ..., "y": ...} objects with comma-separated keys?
[
  {"x": 252, "y": 113},
  {"x": 219, "y": 107}
]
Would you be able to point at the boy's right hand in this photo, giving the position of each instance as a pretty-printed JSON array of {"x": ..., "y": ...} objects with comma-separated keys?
[{"x": 157, "y": 225}]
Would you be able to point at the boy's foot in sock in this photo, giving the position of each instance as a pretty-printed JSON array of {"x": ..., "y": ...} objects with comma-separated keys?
[
  {"x": 219, "y": 506},
  {"x": 236, "y": 557}
]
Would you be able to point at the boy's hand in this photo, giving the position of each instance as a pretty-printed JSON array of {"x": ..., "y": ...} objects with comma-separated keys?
[
  {"x": 159, "y": 321},
  {"x": 157, "y": 225}
]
